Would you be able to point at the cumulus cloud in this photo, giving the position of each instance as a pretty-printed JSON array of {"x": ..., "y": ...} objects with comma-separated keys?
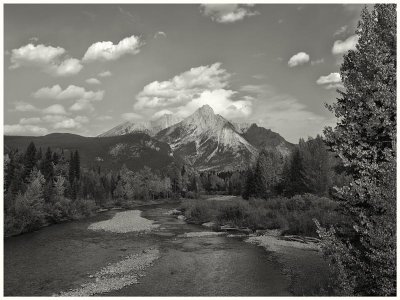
[
  {"x": 24, "y": 107},
  {"x": 71, "y": 92},
  {"x": 81, "y": 105},
  {"x": 183, "y": 87},
  {"x": 227, "y": 13},
  {"x": 29, "y": 121},
  {"x": 53, "y": 118},
  {"x": 186, "y": 92},
  {"x": 298, "y": 59},
  {"x": 106, "y": 51},
  {"x": 331, "y": 78},
  {"x": 161, "y": 113},
  {"x": 67, "y": 124},
  {"x": 105, "y": 74},
  {"x": 93, "y": 81},
  {"x": 56, "y": 109},
  {"x": 18, "y": 129},
  {"x": 331, "y": 81},
  {"x": 341, "y": 47},
  {"x": 52, "y": 60}
]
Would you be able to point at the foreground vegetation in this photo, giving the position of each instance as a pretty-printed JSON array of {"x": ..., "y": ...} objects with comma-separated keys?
[{"x": 290, "y": 215}]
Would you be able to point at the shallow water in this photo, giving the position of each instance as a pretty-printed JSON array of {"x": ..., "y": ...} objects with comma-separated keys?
[{"x": 61, "y": 257}]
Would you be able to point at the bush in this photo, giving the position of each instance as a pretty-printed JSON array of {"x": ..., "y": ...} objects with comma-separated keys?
[
  {"x": 198, "y": 211},
  {"x": 293, "y": 216}
]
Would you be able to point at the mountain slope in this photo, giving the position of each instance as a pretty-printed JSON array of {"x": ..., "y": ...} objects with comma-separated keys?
[
  {"x": 148, "y": 127},
  {"x": 262, "y": 138},
  {"x": 134, "y": 150},
  {"x": 208, "y": 142}
]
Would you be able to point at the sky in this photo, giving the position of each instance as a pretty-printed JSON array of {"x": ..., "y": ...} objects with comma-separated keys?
[{"x": 86, "y": 68}]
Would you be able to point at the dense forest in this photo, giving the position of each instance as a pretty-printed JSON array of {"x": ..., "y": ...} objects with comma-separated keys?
[{"x": 44, "y": 187}]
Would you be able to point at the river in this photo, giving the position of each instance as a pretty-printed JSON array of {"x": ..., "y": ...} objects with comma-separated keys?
[{"x": 61, "y": 257}]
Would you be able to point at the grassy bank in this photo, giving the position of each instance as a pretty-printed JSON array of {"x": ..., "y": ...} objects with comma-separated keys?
[{"x": 291, "y": 215}]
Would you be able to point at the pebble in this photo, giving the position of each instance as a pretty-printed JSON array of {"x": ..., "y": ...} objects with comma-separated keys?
[
  {"x": 117, "y": 275},
  {"x": 123, "y": 222}
]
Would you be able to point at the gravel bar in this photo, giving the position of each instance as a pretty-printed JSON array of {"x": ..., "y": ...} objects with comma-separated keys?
[
  {"x": 123, "y": 222},
  {"x": 116, "y": 276}
]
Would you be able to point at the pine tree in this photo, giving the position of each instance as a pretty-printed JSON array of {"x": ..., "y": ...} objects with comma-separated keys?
[
  {"x": 47, "y": 165},
  {"x": 29, "y": 160},
  {"x": 71, "y": 170},
  {"x": 77, "y": 165},
  {"x": 364, "y": 253}
]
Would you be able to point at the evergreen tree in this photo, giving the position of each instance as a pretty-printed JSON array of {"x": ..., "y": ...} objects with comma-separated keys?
[
  {"x": 364, "y": 252},
  {"x": 77, "y": 165},
  {"x": 29, "y": 159},
  {"x": 71, "y": 170},
  {"x": 293, "y": 175},
  {"x": 47, "y": 165}
]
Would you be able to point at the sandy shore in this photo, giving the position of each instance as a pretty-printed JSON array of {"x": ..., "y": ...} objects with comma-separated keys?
[{"x": 123, "y": 222}]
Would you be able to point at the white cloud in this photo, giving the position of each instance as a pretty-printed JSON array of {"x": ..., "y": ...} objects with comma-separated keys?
[
  {"x": 161, "y": 113},
  {"x": 222, "y": 103},
  {"x": 67, "y": 124},
  {"x": 160, "y": 34},
  {"x": 105, "y": 74},
  {"x": 341, "y": 47},
  {"x": 19, "y": 129},
  {"x": 227, "y": 13},
  {"x": 93, "y": 81},
  {"x": 298, "y": 59},
  {"x": 51, "y": 60},
  {"x": 56, "y": 109},
  {"x": 183, "y": 87},
  {"x": 25, "y": 107},
  {"x": 334, "y": 86},
  {"x": 186, "y": 92},
  {"x": 81, "y": 105},
  {"x": 105, "y": 51},
  {"x": 71, "y": 92},
  {"x": 53, "y": 118},
  {"x": 29, "y": 121},
  {"x": 131, "y": 116},
  {"x": 331, "y": 78},
  {"x": 48, "y": 92}
]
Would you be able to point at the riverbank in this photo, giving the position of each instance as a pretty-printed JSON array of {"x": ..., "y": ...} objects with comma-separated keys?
[{"x": 187, "y": 260}]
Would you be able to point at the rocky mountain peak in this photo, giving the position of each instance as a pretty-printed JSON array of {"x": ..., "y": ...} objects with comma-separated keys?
[{"x": 205, "y": 110}]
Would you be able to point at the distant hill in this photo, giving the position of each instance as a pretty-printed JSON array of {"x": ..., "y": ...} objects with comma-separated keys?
[
  {"x": 134, "y": 150},
  {"x": 263, "y": 138}
]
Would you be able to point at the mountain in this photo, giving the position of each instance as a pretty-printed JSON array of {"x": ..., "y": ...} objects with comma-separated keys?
[
  {"x": 134, "y": 150},
  {"x": 149, "y": 127},
  {"x": 262, "y": 138},
  {"x": 207, "y": 141},
  {"x": 241, "y": 127}
]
